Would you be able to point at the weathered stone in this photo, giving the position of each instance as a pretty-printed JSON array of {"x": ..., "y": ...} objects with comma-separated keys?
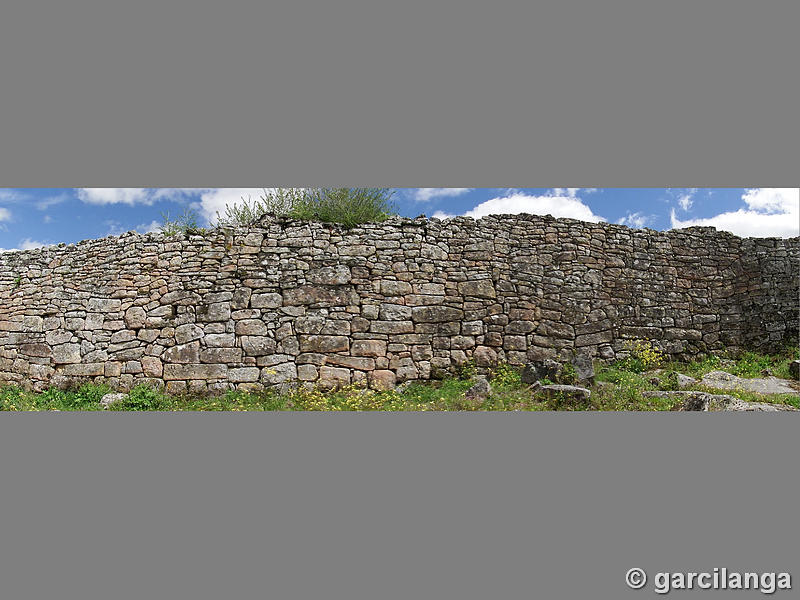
[
  {"x": 584, "y": 368},
  {"x": 271, "y": 300},
  {"x": 435, "y": 314},
  {"x": 32, "y": 324},
  {"x": 54, "y": 338},
  {"x": 152, "y": 366},
  {"x": 391, "y": 327},
  {"x": 333, "y": 377},
  {"x": 373, "y": 348},
  {"x": 382, "y": 380},
  {"x": 280, "y": 373},
  {"x": 104, "y": 305},
  {"x": 484, "y": 356},
  {"x": 307, "y": 373},
  {"x": 110, "y": 399},
  {"x": 135, "y": 317},
  {"x": 794, "y": 369},
  {"x": 221, "y": 355},
  {"x": 324, "y": 343},
  {"x": 83, "y": 370},
  {"x": 704, "y": 401},
  {"x": 215, "y": 312},
  {"x": 200, "y": 372},
  {"x": 251, "y": 327},
  {"x": 352, "y": 362},
  {"x": 479, "y": 391},
  {"x": 244, "y": 374},
  {"x": 258, "y": 345},
  {"x": 66, "y": 354},
  {"x": 320, "y": 296},
  {"x": 395, "y": 288},
  {"x": 220, "y": 340},
  {"x": 482, "y": 288},
  {"x": 541, "y": 369},
  {"x": 183, "y": 354},
  {"x": 567, "y": 394},
  {"x": 337, "y": 275},
  {"x": 395, "y": 312},
  {"x": 188, "y": 333}
]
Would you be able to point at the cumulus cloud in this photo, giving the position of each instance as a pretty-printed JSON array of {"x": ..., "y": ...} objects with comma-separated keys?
[
  {"x": 425, "y": 194},
  {"x": 637, "y": 220},
  {"x": 558, "y": 204},
  {"x": 5, "y": 214},
  {"x": 768, "y": 212}
]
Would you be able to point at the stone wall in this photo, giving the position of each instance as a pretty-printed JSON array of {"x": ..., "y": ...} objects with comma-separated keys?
[{"x": 285, "y": 301}]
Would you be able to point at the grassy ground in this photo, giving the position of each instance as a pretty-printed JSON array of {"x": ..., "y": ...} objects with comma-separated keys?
[{"x": 618, "y": 388}]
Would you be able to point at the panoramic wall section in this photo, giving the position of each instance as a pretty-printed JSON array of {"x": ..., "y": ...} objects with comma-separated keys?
[{"x": 287, "y": 301}]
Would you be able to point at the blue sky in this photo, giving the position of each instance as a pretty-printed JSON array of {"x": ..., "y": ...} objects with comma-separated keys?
[{"x": 35, "y": 217}]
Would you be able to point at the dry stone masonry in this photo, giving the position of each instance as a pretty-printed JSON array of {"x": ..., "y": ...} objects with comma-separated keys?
[{"x": 285, "y": 302}]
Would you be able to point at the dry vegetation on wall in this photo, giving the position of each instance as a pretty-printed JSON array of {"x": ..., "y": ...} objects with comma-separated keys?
[{"x": 287, "y": 301}]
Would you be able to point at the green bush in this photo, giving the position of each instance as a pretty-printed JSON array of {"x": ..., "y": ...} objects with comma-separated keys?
[
  {"x": 141, "y": 398},
  {"x": 184, "y": 223},
  {"x": 504, "y": 374},
  {"x": 348, "y": 206}
]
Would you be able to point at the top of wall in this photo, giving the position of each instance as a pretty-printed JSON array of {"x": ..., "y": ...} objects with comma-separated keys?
[{"x": 16, "y": 256}]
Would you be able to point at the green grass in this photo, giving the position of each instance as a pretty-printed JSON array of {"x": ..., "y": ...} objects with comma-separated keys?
[{"x": 618, "y": 389}]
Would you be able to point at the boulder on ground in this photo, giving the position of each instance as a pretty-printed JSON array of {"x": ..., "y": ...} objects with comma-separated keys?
[
  {"x": 110, "y": 399},
  {"x": 706, "y": 402},
  {"x": 794, "y": 369},
  {"x": 584, "y": 368},
  {"x": 480, "y": 390},
  {"x": 766, "y": 385},
  {"x": 541, "y": 369},
  {"x": 567, "y": 394}
]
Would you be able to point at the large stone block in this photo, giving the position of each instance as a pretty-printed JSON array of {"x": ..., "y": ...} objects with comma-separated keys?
[
  {"x": 135, "y": 317},
  {"x": 183, "y": 353},
  {"x": 435, "y": 314},
  {"x": 373, "y": 348},
  {"x": 67, "y": 354},
  {"x": 337, "y": 275},
  {"x": 174, "y": 372},
  {"x": 258, "y": 345},
  {"x": 395, "y": 288},
  {"x": 320, "y": 296},
  {"x": 481, "y": 288},
  {"x": 324, "y": 343}
]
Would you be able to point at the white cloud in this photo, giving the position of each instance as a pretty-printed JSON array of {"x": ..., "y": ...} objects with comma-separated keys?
[
  {"x": 770, "y": 212},
  {"x": 148, "y": 227},
  {"x": 773, "y": 200},
  {"x": 557, "y": 205},
  {"x": 571, "y": 192},
  {"x": 636, "y": 220},
  {"x": 425, "y": 194},
  {"x": 128, "y": 196},
  {"x": 5, "y": 214},
  {"x": 685, "y": 200},
  {"x": 46, "y": 203},
  {"x": 442, "y": 215},
  {"x": 215, "y": 200},
  {"x": 29, "y": 244}
]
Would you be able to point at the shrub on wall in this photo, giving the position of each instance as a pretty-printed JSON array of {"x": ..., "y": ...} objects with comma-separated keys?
[{"x": 348, "y": 206}]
